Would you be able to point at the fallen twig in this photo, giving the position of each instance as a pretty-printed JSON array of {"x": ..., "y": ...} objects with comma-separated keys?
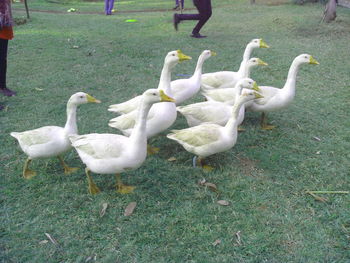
[
  {"x": 328, "y": 192},
  {"x": 318, "y": 198}
]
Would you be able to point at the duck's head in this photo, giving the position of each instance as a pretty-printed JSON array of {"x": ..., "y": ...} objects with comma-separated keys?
[
  {"x": 82, "y": 98},
  {"x": 258, "y": 43},
  {"x": 248, "y": 96},
  {"x": 155, "y": 95},
  {"x": 208, "y": 53},
  {"x": 256, "y": 62},
  {"x": 248, "y": 83},
  {"x": 306, "y": 58},
  {"x": 174, "y": 57}
]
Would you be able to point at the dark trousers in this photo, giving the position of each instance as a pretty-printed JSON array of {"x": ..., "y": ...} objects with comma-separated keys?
[
  {"x": 204, "y": 9},
  {"x": 3, "y": 62}
]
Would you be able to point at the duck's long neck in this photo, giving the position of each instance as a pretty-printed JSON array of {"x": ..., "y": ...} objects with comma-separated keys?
[
  {"x": 71, "y": 123},
  {"x": 243, "y": 67},
  {"x": 289, "y": 86},
  {"x": 248, "y": 52},
  {"x": 165, "y": 79},
  {"x": 198, "y": 71},
  {"x": 246, "y": 56},
  {"x": 231, "y": 125},
  {"x": 138, "y": 134}
]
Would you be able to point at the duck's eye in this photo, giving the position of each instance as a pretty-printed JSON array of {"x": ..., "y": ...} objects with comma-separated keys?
[
  {"x": 305, "y": 56},
  {"x": 173, "y": 55},
  {"x": 81, "y": 96},
  {"x": 154, "y": 94}
]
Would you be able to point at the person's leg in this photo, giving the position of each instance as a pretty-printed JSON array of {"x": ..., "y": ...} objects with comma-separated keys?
[
  {"x": 3, "y": 68},
  {"x": 111, "y": 5},
  {"x": 204, "y": 8},
  {"x": 106, "y": 7}
]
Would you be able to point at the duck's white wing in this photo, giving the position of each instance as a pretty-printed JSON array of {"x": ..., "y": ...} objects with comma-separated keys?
[
  {"x": 209, "y": 111},
  {"x": 127, "y": 106},
  {"x": 124, "y": 122},
  {"x": 221, "y": 95},
  {"x": 99, "y": 146},
  {"x": 41, "y": 135},
  {"x": 203, "y": 134},
  {"x": 216, "y": 79},
  {"x": 128, "y": 120}
]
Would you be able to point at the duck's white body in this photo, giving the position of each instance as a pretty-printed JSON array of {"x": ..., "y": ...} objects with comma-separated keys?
[
  {"x": 225, "y": 92},
  {"x": 44, "y": 142},
  {"x": 209, "y": 138},
  {"x": 52, "y": 141},
  {"x": 163, "y": 114},
  {"x": 112, "y": 153},
  {"x": 220, "y": 78},
  {"x": 214, "y": 111},
  {"x": 276, "y": 99}
]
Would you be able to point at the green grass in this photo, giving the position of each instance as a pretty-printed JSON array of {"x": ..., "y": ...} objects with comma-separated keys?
[{"x": 264, "y": 176}]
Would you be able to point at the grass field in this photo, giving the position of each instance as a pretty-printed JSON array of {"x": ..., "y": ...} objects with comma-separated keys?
[{"x": 264, "y": 177}]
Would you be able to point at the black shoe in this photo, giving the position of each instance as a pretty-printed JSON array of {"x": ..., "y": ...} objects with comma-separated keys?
[
  {"x": 7, "y": 92},
  {"x": 176, "y": 8},
  {"x": 176, "y": 21},
  {"x": 197, "y": 35}
]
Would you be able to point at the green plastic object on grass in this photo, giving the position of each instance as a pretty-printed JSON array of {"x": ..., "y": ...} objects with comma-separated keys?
[{"x": 131, "y": 20}]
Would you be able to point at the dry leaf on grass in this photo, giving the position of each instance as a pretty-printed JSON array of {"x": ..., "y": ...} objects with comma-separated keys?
[
  {"x": 51, "y": 239},
  {"x": 216, "y": 242},
  {"x": 316, "y": 138},
  {"x": 130, "y": 209},
  {"x": 318, "y": 198},
  {"x": 42, "y": 242},
  {"x": 211, "y": 186},
  {"x": 238, "y": 238},
  {"x": 223, "y": 202},
  {"x": 172, "y": 159},
  {"x": 202, "y": 181},
  {"x": 103, "y": 210}
]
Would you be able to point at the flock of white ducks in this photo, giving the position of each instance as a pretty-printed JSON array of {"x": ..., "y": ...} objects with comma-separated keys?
[{"x": 213, "y": 123}]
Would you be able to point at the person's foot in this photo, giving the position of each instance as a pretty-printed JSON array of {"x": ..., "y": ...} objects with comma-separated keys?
[
  {"x": 176, "y": 8},
  {"x": 7, "y": 92},
  {"x": 197, "y": 35},
  {"x": 176, "y": 21},
  {"x": 2, "y": 107}
]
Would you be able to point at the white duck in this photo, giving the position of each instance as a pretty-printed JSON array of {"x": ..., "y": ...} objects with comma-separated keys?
[
  {"x": 113, "y": 153},
  {"x": 276, "y": 99},
  {"x": 226, "y": 92},
  {"x": 182, "y": 89},
  {"x": 209, "y": 138},
  {"x": 162, "y": 115},
  {"x": 217, "y": 79},
  {"x": 214, "y": 111},
  {"x": 52, "y": 141}
]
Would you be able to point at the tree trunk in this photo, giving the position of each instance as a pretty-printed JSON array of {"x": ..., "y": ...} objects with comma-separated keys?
[{"x": 330, "y": 11}]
